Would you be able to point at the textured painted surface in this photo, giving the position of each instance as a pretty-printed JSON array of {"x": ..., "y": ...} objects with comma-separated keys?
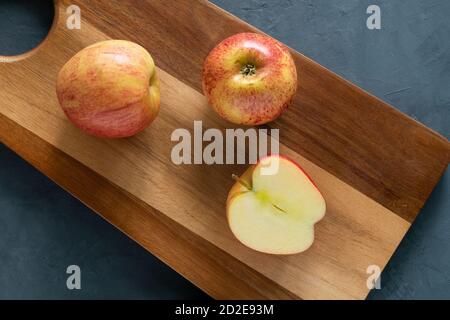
[
  {"x": 25, "y": 18},
  {"x": 43, "y": 230},
  {"x": 406, "y": 63}
]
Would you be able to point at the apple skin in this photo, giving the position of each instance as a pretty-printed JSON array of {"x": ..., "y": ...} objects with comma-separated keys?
[
  {"x": 252, "y": 99},
  {"x": 110, "y": 89},
  {"x": 310, "y": 219}
]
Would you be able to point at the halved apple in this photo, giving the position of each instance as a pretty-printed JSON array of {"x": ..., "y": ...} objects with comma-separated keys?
[{"x": 275, "y": 212}]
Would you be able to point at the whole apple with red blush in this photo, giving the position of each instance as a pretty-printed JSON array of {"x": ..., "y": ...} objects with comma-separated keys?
[
  {"x": 249, "y": 79},
  {"x": 110, "y": 89}
]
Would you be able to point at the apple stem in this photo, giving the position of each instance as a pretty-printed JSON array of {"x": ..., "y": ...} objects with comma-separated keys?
[
  {"x": 242, "y": 182},
  {"x": 248, "y": 70}
]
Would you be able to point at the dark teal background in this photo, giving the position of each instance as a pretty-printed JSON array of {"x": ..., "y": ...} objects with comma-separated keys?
[{"x": 406, "y": 63}]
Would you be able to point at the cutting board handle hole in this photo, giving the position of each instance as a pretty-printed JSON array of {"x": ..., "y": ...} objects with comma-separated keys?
[{"x": 24, "y": 25}]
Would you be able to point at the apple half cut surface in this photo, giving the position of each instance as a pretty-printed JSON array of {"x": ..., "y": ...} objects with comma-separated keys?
[{"x": 273, "y": 207}]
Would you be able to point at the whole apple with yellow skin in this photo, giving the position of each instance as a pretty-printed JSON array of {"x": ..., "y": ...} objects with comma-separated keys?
[
  {"x": 275, "y": 213},
  {"x": 249, "y": 78},
  {"x": 110, "y": 89}
]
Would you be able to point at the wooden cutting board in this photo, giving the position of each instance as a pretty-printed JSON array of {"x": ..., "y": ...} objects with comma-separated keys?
[{"x": 375, "y": 166}]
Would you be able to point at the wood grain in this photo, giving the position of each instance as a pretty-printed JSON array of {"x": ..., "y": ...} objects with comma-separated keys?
[
  {"x": 188, "y": 251},
  {"x": 178, "y": 212},
  {"x": 331, "y": 122}
]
